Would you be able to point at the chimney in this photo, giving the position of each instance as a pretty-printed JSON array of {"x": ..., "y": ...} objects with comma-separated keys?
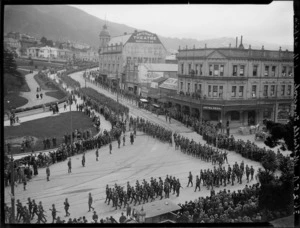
[
  {"x": 230, "y": 45},
  {"x": 236, "y": 42},
  {"x": 279, "y": 48},
  {"x": 241, "y": 39},
  {"x": 205, "y": 46},
  {"x": 179, "y": 47},
  {"x": 194, "y": 46},
  {"x": 135, "y": 30},
  {"x": 262, "y": 48},
  {"x": 249, "y": 46},
  {"x": 186, "y": 47}
]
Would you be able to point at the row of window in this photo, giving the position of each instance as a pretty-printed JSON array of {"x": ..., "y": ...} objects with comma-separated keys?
[
  {"x": 237, "y": 70},
  {"x": 110, "y": 67},
  {"x": 238, "y": 91},
  {"x": 152, "y": 50}
]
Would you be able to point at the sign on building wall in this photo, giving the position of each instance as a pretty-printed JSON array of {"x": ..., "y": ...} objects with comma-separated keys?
[
  {"x": 144, "y": 37},
  {"x": 211, "y": 108}
]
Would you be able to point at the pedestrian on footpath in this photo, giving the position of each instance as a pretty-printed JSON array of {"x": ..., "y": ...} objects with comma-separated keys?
[
  {"x": 48, "y": 172},
  {"x": 37, "y": 96},
  {"x": 24, "y": 182},
  {"x": 110, "y": 147},
  {"x": 131, "y": 138},
  {"x": 41, "y": 95},
  {"x": 69, "y": 166},
  {"x": 90, "y": 202},
  {"x": 97, "y": 154},
  {"x": 124, "y": 139},
  {"x": 119, "y": 141},
  {"x": 83, "y": 159},
  {"x": 67, "y": 206}
]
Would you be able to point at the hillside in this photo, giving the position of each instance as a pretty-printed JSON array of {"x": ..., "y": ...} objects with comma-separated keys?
[{"x": 62, "y": 22}]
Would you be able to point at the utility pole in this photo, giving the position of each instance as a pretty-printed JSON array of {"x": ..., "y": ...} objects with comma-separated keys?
[
  {"x": 12, "y": 184},
  {"x": 117, "y": 87},
  {"x": 71, "y": 125}
]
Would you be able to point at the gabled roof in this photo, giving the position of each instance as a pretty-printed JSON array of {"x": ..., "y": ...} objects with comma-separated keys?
[
  {"x": 161, "y": 67},
  {"x": 119, "y": 39}
]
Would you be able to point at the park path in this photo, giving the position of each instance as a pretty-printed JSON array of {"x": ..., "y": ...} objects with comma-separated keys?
[{"x": 31, "y": 96}]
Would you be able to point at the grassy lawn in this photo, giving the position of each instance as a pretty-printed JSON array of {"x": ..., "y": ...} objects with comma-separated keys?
[
  {"x": 15, "y": 101},
  {"x": 49, "y": 127},
  {"x": 56, "y": 94},
  {"x": 44, "y": 82},
  {"x": 25, "y": 87}
]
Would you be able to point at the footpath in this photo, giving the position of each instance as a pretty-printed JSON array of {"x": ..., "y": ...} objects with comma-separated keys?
[{"x": 31, "y": 96}]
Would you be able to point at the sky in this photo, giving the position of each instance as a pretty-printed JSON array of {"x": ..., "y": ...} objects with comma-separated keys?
[{"x": 271, "y": 23}]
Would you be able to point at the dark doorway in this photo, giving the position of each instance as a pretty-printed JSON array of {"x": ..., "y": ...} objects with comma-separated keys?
[{"x": 251, "y": 118}]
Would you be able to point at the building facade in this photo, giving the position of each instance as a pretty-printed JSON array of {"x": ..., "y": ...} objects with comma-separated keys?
[
  {"x": 241, "y": 85},
  {"x": 120, "y": 56}
]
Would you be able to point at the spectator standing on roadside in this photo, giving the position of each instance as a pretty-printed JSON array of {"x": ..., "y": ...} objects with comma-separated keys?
[{"x": 48, "y": 172}]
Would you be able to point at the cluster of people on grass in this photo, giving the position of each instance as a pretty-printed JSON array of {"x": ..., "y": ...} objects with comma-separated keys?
[
  {"x": 142, "y": 193},
  {"x": 223, "y": 207}
]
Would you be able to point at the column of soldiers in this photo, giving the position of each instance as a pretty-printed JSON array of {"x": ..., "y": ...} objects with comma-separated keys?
[
  {"x": 217, "y": 177},
  {"x": 204, "y": 152},
  {"x": 142, "y": 193},
  {"x": 246, "y": 149},
  {"x": 27, "y": 213},
  {"x": 47, "y": 142}
]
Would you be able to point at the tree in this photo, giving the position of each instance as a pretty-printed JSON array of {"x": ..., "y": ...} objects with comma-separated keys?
[
  {"x": 281, "y": 134},
  {"x": 12, "y": 78},
  {"x": 269, "y": 162},
  {"x": 61, "y": 46},
  {"x": 49, "y": 43},
  {"x": 43, "y": 40}
]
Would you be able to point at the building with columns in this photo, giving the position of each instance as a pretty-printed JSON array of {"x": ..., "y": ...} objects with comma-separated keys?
[
  {"x": 237, "y": 84},
  {"x": 120, "y": 56}
]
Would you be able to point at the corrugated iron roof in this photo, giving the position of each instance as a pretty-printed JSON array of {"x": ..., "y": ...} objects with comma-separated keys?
[
  {"x": 170, "y": 83},
  {"x": 161, "y": 67},
  {"x": 119, "y": 39}
]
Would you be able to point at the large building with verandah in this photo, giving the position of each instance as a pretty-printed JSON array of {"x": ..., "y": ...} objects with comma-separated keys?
[
  {"x": 120, "y": 56},
  {"x": 243, "y": 86}
]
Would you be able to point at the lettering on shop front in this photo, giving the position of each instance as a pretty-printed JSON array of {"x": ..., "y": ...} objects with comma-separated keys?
[{"x": 211, "y": 108}]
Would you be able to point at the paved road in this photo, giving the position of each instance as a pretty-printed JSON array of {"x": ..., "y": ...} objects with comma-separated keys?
[
  {"x": 31, "y": 96},
  {"x": 130, "y": 163}
]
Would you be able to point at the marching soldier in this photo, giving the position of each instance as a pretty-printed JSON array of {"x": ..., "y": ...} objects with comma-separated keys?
[
  {"x": 178, "y": 186},
  {"x": 53, "y": 212},
  {"x": 67, "y": 206},
  {"x": 190, "y": 179},
  {"x": 34, "y": 209},
  {"x": 30, "y": 206},
  {"x": 252, "y": 172},
  {"x": 247, "y": 173},
  {"x": 197, "y": 183}
]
